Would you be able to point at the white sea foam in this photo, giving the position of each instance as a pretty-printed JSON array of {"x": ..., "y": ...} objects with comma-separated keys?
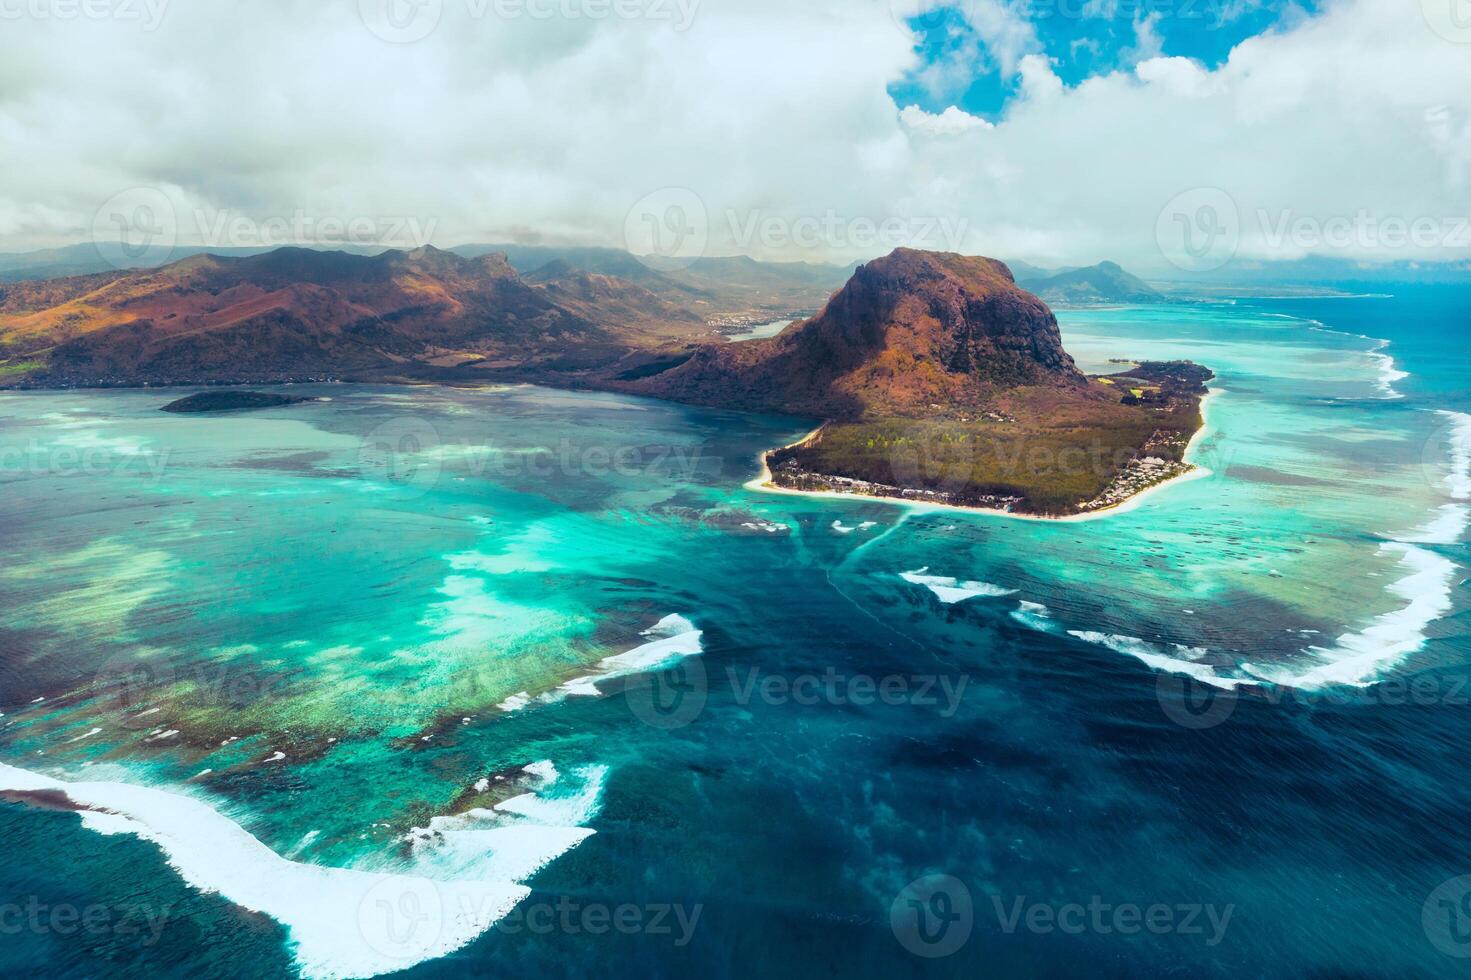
[
  {"x": 1389, "y": 371},
  {"x": 950, "y": 590},
  {"x": 1388, "y": 368},
  {"x": 515, "y": 702},
  {"x": 545, "y": 771},
  {"x": 1035, "y": 616},
  {"x": 515, "y": 839},
  {"x": 1358, "y": 658},
  {"x": 1458, "y": 482},
  {"x": 1449, "y": 523},
  {"x": 770, "y": 527},
  {"x": 345, "y": 922},
  {"x": 1185, "y": 660},
  {"x": 671, "y": 639},
  {"x": 306, "y": 841},
  {"x": 842, "y": 528}
]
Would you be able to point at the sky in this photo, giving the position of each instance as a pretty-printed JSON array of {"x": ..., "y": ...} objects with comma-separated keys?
[{"x": 1169, "y": 135}]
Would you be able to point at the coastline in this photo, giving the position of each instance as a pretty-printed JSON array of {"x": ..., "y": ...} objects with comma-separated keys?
[{"x": 762, "y": 483}]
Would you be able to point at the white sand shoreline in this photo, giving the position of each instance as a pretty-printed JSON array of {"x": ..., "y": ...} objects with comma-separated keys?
[{"x": 762, "y": 483}]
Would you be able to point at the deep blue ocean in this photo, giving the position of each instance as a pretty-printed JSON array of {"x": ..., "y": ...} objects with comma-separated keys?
[{"x": 1027, "y": 803}]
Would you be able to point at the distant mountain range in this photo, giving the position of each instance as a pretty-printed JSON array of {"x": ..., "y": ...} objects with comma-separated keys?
[
  {"x": 288, "y": 313},
  {"x": 296, "y": 313},
  {"x": 715, "y": 286},
  {"x": 87, "y": 259},
  {"x": 1105, "y": 282}
]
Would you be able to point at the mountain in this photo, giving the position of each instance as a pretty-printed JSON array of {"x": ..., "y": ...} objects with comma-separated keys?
[
  {"x": 289, "y": 313},
  {"x": 87, "y": 259},
  {"x": 769, "y": 287},
  {"x": 614, "y": 302},
  {"x": 941, "y": 380},
  {"x": 1355, "y": 273},
  {"x": 715, "y": 287},
  {"x": 299, "y": 313},
  {"x": 910, "y": 333},
  {"x": 1105, "y": 282},
  {"x": 721, "y": 288},
  {"x": 529, "y": 259},
  {"x": 1026, "y": 272}
]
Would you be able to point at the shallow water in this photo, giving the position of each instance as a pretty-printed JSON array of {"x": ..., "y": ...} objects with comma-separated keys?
[
  {"x": 760, "y": 331},
  {"x": 328, "y": 623}
]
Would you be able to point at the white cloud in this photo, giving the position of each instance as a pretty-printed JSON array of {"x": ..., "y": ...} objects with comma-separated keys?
[
  {"x": 1039, "y": 82},
  {"x": 491, "y": 128},
  {"x": 1004, "y": 29},
  {"x": 1181, "y": 76},
  {"x": 948, "y": 123},
  {"x": 1147, "y": 40}
]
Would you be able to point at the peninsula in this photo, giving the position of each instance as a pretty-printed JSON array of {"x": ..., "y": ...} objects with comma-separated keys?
[{"x": 941, "y": 381}]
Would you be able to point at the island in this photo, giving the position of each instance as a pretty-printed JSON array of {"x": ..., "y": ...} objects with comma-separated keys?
[{"x": 231, "y": 401}]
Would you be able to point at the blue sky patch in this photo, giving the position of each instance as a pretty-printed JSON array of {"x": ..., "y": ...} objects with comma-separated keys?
[{"x": 969, "y": 49}]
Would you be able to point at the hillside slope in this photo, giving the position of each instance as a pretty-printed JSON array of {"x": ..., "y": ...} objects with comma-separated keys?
[{"x": 293, "y": 313}]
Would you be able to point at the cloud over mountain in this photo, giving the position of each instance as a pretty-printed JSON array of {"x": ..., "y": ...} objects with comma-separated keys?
[{"x": 498, "y": 125}]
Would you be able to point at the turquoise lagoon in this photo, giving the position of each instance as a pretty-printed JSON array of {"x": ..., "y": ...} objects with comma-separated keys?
[{"x": 360, "y": 685}]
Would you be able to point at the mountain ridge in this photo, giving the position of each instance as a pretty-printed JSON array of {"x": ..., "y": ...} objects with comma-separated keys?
[{"x": 287, "y": 313}]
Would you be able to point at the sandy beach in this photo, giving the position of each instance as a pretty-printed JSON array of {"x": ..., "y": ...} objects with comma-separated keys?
[{"x": 762, "y": 482}]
